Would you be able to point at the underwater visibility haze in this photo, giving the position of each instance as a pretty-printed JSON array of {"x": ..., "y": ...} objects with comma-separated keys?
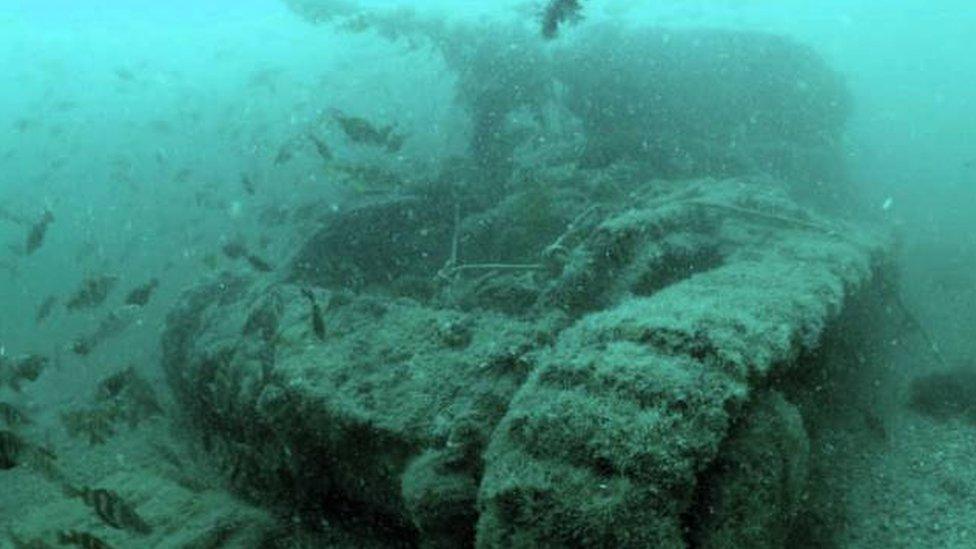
[{"x": 527, "y": 273}]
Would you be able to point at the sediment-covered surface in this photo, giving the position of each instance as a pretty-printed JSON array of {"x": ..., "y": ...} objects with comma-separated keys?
[{"x": 642, "y": 355}]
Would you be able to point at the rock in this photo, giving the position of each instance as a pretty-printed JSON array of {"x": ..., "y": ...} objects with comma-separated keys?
[
  {"x": 751, "y": 494},
  {"x": 634, "y": 388},
  {"x": 320, "y": 425}
]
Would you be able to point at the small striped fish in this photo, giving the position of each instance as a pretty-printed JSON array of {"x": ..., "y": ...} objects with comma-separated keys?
[
  {"x": 20, "y": 543},
  {"x": 111, "y": 508},
  {"x": 11, "y": 416},
  {"x": 15, "y": 451},
  {"x": 12, "y": 449},
  {"x": 82, "y": 539}
]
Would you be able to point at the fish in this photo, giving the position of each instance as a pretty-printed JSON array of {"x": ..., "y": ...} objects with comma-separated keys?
[
  {"x": 12, "y": 448},
  {"x": 183, "y": 175},
  {"x": 359, "y": 130},
  {"x": 111, "y": 508},
  {"x": 369, "y": 179},
  {"x": 17, "y": 370},
  {"x": 13, "y": 416},
  {"x": 112, "y": 386},
  {"x": 394, "y": 142},
  {"x": 141, "y": 295},
  {"x": 95, "y": 424},
  {"x": 258, "y": 264},
  {"x": 236, "y": 249},
  {"x": 123, "y": 73},
  {"x": 112, "y": 324},
  {"x": 92, "y": 292},
  {"x": 558, "y": 12},
  {"x": 66, "y": 106},
  {"x": 20, "y": 543},
  {"x": 206, "y": 199},
  {"x": 16, "y": 451},
  {"x": 12, "y": 268},
  {"x": 318, "y": 323},
  {"x": 265, "y": 78},
  {"x": 274, "y": 215},
  {"x": 45, "y": 309},
  {"x": 211, "y": 261},
  {"x": 88, "y": 249},
  {"x": 82, "y": 346},
  {"x": 82, "y": 539},
  {"x": 285, "y": 153},
  {"x": 128, "y": 394},
  {"x": 874, "y": 424},
  {"x": 23, "y": 124},
  {"x": 321, "y": 147},
  {"x": 247, "y": 184},
  {"x": 7, "y": 215},
  {"x": 161, "y": 126},
  {"x": 37, "y": 232}
]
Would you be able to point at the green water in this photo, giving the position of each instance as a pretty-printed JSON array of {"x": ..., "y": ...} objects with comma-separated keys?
[{"x": 493, "y": 287}]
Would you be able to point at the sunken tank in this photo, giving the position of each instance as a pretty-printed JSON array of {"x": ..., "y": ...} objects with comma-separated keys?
[{"x": 590, "y": 354}]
